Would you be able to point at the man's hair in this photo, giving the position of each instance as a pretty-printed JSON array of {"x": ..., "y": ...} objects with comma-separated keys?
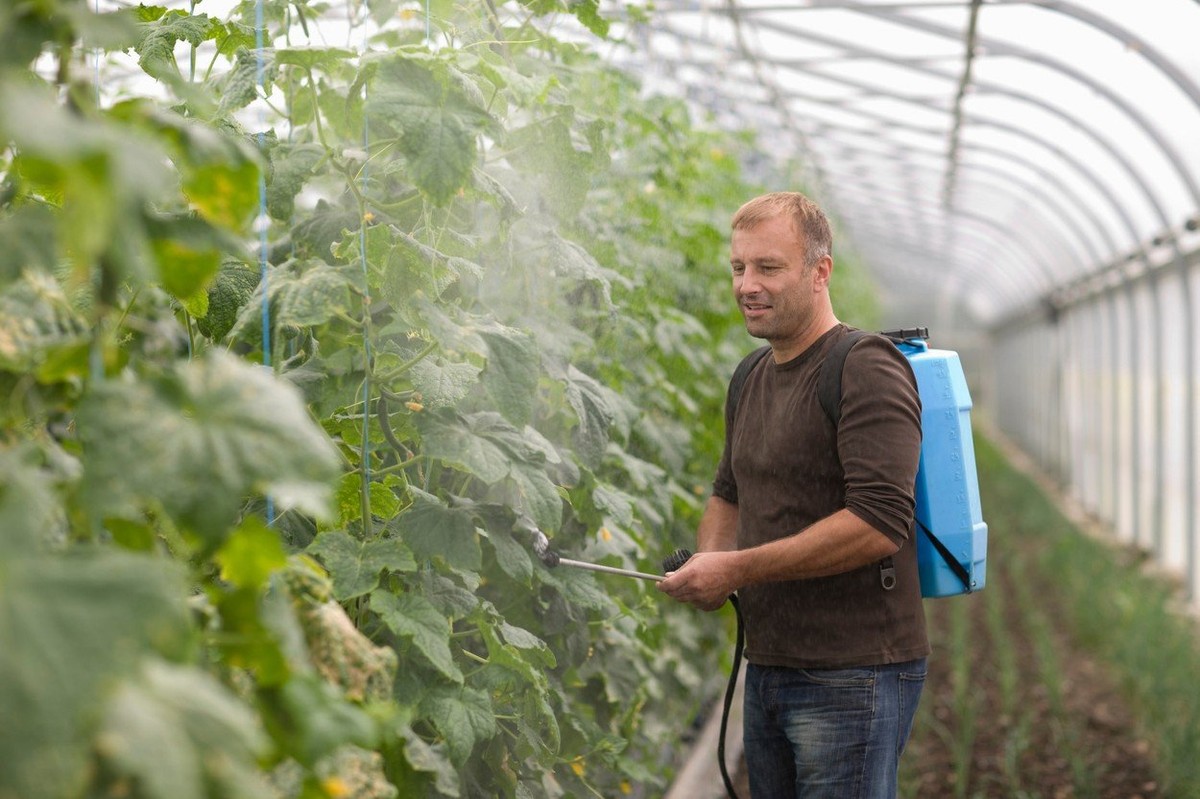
[{"x": 808, "y": 220}]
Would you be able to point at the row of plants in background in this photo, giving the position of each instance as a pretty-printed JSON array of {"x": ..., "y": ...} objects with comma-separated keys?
[
  {"x": 1132, "y": 620},
  {"x": 484, "y": 276},
  {"x": 1057, "y": 595}
]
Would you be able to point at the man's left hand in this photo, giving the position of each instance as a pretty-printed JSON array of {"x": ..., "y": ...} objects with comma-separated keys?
[{"x": 705, "y": 581}]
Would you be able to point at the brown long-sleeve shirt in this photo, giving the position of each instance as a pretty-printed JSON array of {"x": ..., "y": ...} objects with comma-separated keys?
[{"x": 786, "y": 467}]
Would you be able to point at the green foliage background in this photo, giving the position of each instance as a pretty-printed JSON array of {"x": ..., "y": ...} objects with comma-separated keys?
[{"x": 294, "y": 560}]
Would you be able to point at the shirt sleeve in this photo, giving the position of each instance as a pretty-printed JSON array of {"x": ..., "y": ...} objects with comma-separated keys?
[
  {"x": 724, "y": 485},
  {"x": 879, "y": 436}
]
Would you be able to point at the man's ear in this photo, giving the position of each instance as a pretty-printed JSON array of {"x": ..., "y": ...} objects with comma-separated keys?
[{"x": 823, "y": 271}]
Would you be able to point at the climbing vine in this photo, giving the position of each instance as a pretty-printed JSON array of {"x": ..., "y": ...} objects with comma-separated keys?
[{"x": 484, "y": 274}]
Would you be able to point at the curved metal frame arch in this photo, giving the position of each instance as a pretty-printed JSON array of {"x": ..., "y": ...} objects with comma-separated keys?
[
  {"x": 1028, "y": 187},
  {"x": 960, "y": 212},
  {"x": 1081, "y": 240}
]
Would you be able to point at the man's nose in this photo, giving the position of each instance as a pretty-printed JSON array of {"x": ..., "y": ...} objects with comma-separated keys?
[{"x": 747, "y": 282}]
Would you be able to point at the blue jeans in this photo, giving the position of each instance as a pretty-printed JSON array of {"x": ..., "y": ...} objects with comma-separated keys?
[{"x": 830, "y": 733}]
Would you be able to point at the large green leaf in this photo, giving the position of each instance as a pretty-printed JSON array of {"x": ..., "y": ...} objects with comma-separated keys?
[
  {"x": 452, "y": 440},
  {"x": 36, "y": 319},
  {"x": 28, "y": 511},
  {"x": 70, "y": 624},
  {"x": 432, "y": 759},
  {"x": 291, "y": 167},
  {"x": 436, "y": 120},
  {"x": 301, "y": 295},
  {"x": 239, "y": 86},
  {"x": 511, "y": 376},
  {"x": 531, "y": 491},
  {"x": 30, "y": 236},
  {"x": 180, "y": 734},
  {"x": 413, "y": 617},
  {"x": 594, "y": 412},
  {"x": 188, "y": 251},
  {"x": 355, "y": 565},
  {"x": 156, "y": 45},
  {"x": 443, "y": 383},
  {"x": 464, "y": 716},
  {"x": 312, "y": 719},
  {"x": 227, "y": 295},
  {"x": 432, "y": 530},
  {"x": 196, "y": 441}
]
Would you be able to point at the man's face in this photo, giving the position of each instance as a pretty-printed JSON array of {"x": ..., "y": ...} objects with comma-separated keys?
[{"x": 774, "y": 289}]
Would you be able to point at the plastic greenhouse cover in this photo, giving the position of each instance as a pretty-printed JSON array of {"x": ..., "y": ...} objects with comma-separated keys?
[
  {"x": 1000, "y": 153},
  {"x": 991, "y": 157}
]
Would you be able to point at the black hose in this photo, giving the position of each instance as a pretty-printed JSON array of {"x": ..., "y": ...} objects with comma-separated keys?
[{"x": 729, "y": 689}]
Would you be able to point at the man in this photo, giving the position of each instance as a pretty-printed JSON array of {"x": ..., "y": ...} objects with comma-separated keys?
[{"x": 801, "y": 517}]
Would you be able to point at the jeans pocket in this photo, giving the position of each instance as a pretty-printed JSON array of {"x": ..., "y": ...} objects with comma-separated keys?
[{"x": 840, "y": 678}]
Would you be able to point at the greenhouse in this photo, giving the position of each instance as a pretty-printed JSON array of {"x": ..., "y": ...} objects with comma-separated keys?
[{"x": 371, "y": 371}]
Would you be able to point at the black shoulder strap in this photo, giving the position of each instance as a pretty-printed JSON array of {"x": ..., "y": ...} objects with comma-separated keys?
[
  {"x": 738, "y": 382},
  {"x": 829, "y": 382}
]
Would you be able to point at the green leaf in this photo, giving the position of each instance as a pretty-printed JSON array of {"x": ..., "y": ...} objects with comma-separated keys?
[
  {"x": 187, "y": 250},
  {"x": 435, "y": 119},
  {"x": 452, "y": 600},
  {"x": 356, "y": 565},
  {"x": 228, "y": 294},
  {"x": 224, "y": 193},
  {"x": 614, "y": 502},
  {"x": 36, "y": 319},
  {"x": 413, "y": 617},
  {"x": 156, "y": 49},
  {"x": 512, "y": 556},
  {"x": 179, "y": 734},
  {"x": 412, "y": 269},
  {"x": 443, "y": 383},
  {"x": 309, "y": 293},
  {"x": 251, "y": 554},
  {"x": 291, "y": 167},
  {"x": 529, "y": 490},
  {"x": 511, "y": 377},
  {"x": 452, "y": 440},
  {"x": 527, "y": 657},
  {"x": 384, "y": 502},
  {"x": 73, "y": 623},
  {"x": 431, "y": 529},
  {"x": 593, "y": 412},
  {"x": 197, "y": 440},
  {"x": 28, "y": 507},
  {"x": 239, "y": 86},
  {"x": 464, "y": 716},
  {"x": 312, "y": 719},
  {"x": 431, "y": 759},
  {"x": 30, "y": 236},
  {"x": 525, "y": 640},
  {"x": 328, "y": 59},
  {"x": 588, "y": 12},
  {"x": 545, "y": 149}
]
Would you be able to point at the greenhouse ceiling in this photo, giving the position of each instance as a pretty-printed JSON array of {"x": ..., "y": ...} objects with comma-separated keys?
[{"x": 1003, "y": 157}]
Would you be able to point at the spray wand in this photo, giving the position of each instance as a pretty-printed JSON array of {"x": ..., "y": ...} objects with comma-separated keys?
[{"x": 541, "y": 546}]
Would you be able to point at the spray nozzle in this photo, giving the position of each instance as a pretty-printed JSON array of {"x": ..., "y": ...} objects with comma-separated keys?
[
  {"x": 541, "y": 547},
  {"x": 674, "y": 562}
]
